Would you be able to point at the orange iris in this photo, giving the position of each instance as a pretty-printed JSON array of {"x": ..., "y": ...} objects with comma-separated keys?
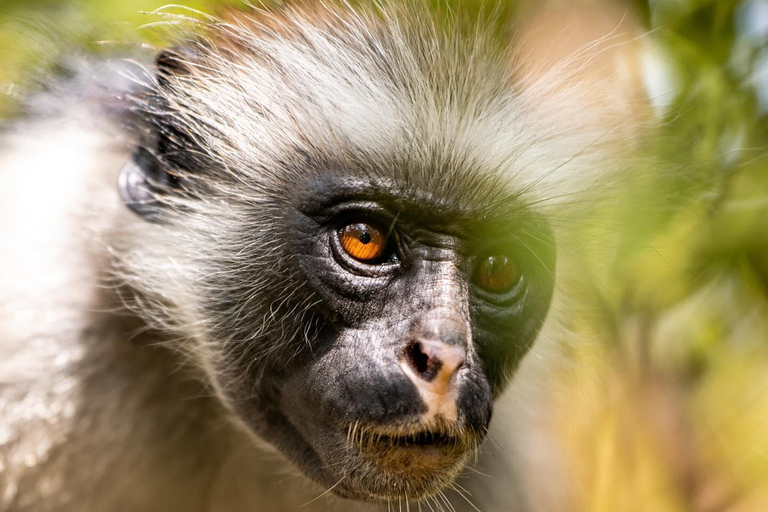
[
  {"x": 497, "y": 273},
  {"x": 363, "y": 242}
]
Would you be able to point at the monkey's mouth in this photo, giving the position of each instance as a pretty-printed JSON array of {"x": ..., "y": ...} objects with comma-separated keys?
[
  {"x": 413, "y": 461},
  {"x": 437, "y": 444},
  {"x": 420, "y": 439}
]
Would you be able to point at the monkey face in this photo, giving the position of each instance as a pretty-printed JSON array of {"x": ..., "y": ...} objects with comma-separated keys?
[
  {"x": 369, "y": 345},
  {"x": 357, "y": 272},
  {"x": 409, "y": 317}
]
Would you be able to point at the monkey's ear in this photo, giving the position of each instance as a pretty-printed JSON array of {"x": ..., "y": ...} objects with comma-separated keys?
[
  {"x": 141, "y": 182},
  {"x": 174, "y": 62},
  {"x": 153, "y": 170}
]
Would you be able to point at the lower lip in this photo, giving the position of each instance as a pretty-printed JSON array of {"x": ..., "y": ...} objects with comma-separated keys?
[
  {"x": 401, "y": 456},
  {"x": 421, "y": 468}
]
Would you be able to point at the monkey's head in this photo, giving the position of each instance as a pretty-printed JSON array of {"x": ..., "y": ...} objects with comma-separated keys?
[{"x": 342, "y": 222}]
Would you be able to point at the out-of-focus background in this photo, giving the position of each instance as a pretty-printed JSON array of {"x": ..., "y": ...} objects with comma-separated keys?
[{"x": 661, "y": 403}]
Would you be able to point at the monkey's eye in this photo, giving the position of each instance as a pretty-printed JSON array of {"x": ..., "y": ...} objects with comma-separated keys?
[
  {"x": 497, "y": 273},
  {"x": 363, "y": 242}
]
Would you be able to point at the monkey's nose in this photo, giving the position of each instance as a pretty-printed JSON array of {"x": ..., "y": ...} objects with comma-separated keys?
[
  {"x": 435, "y": 352},
  {"x": 434, "y": 363}
]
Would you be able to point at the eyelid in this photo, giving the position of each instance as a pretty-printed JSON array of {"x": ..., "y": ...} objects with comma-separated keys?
[
  {"x": 360, "y": 211},
  {"x": 504, "y": 299}
]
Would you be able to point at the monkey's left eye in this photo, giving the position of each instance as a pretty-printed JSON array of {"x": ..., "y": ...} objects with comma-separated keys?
[
  {"x": 497, "y": 273},
  {"x": 364, "y": 242}
]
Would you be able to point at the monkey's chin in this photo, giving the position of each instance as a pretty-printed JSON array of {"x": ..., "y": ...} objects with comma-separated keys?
[{"x": 382, "y": 466}]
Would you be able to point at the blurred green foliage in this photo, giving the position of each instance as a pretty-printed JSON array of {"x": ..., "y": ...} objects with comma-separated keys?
[{"x": 35, "y": 33}]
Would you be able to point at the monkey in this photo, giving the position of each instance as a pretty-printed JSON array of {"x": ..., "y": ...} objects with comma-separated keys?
[{"x": 297, "y": 262}]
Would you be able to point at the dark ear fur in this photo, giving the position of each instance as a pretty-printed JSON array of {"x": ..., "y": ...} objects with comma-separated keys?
[
  {"x": 165, "y": 151},
  {"x": 176, "y": 61},
  {"x": 140, "y": 184}
]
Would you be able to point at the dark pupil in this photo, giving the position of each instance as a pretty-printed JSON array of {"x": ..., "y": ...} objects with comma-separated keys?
[
  {"x": 495, "y": 264},
  {"x": 364, "y": 237}
]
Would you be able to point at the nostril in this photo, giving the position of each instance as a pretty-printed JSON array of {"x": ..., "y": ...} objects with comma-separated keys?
[
  {"x": 425, "y": 364},
  {"x": 434, "y": 361}
]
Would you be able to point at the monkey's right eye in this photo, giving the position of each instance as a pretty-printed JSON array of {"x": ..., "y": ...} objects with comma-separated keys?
[{"x": 364, "y": 242}]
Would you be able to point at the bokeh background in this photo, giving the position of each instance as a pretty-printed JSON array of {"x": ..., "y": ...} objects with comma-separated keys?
[{"x": 661, "y": 401}]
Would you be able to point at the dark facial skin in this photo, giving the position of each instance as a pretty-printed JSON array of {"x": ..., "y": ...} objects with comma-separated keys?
[{"x": 345, "y": 405}]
